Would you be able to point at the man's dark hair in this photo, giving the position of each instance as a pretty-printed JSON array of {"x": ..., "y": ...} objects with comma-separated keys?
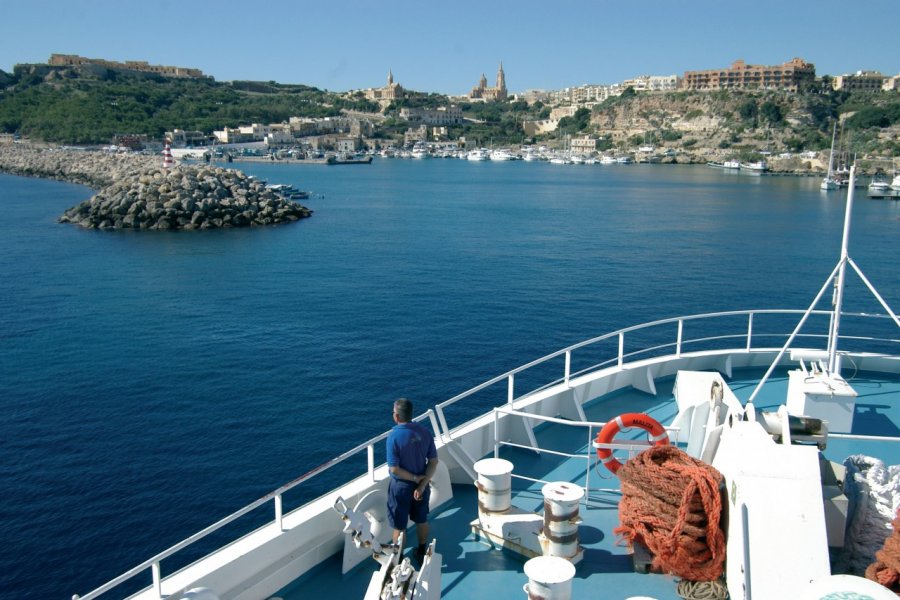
[{"x": 404, "y": 409}]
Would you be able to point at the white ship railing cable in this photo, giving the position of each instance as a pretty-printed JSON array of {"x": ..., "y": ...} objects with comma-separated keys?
[
  {"x": 154, "y": 563},
  {"x": 622, "y": 358},
  {"x": 443, "y": 431},
  {"x": 631, "y": 445}
]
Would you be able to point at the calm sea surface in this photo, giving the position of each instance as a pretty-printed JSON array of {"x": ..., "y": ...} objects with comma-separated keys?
[{"x": 151, "y": 383}]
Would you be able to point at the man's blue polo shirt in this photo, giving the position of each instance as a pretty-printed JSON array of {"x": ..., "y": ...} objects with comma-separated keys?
[{"x": 410, "y": 446}]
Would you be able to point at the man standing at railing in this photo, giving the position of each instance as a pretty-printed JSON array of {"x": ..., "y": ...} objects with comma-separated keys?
[{"x": 412, "y": 461}]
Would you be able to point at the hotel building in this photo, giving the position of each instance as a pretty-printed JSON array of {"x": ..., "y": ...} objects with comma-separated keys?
[{"x": 741, "y": 76}]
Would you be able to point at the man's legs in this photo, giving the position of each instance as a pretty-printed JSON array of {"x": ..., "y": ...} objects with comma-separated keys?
[{"x": 422, "y": 532}]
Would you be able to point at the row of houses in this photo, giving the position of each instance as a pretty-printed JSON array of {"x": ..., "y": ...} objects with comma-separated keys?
[{"x": 276, "y": 134}]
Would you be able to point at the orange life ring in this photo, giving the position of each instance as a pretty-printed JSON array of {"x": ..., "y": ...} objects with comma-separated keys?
[{"x": 657, "y": 434}]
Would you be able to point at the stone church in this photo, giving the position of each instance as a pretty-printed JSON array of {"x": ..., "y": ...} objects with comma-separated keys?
[{"x": 483, "y": 92}]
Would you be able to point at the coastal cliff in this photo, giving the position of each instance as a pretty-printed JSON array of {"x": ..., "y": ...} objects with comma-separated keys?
[{"x": 134, "y": 192}]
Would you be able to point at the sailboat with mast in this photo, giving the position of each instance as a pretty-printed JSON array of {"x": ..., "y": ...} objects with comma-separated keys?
[{"x": 830, "y": 183}]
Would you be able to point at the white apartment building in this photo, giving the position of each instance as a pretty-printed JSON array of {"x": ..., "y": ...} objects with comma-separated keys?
[
  {"x": 861, "y": 80},
  {"x": 442, "y": 116},
  {"x": 583, "y": 145},
  {"x": 652, "y": 83}
]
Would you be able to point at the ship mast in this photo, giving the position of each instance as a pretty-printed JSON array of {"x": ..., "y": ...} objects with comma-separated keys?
[
  {"x": 834, "y": 364},
  {"x": 837, "y": 279}
]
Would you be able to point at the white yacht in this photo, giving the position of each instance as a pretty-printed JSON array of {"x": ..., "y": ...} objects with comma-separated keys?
[
  {"x": 478, "y": 154},
  {"x": 501, "y": 155},
  {"x": 420, "y": 152},
  {"x": 879, "y": 185}
]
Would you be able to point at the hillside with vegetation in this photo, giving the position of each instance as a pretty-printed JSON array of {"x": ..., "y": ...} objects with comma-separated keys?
[
  {"x": 742, "y": 123},
  {"x": 76, "y": 105},
  {"x": 81, "y": 106}
]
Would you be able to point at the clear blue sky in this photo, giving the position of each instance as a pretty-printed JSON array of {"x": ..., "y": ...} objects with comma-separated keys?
[{"x": 445, "y": 46}]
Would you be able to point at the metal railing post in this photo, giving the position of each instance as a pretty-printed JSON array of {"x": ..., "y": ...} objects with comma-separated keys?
[
  {"x": 496, "y": 433},
  {"x": 445, "y": 429},
  {"x": 279, "y": 513},
  {"x": 370, "y": 456},
  {"x": 749, "y": 331},
  {"x": 621, "y": 360},
  {"x": 587, "y": 472},
  {"x": 510, "y": 393},
  {"x": 680, "y": 337},
  {"x": 157, "y": 580},
  {"x": 568, "y": 371}
]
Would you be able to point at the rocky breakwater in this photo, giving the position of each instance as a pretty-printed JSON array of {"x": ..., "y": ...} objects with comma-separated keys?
[
  {"x": 185, "y": 197},
  {"x": 136, "y": 193}
]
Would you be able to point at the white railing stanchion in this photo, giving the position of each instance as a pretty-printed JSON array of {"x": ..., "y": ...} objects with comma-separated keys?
[
  {"x": 587, "y": 470},
  {"x": 749, "y": 331},
  {"x": 511, "y": 391},
  {"x": 279, "y": 513},
  {"x": 621, "y": 360},
  {"x": 157, "y": 580},
  {"x": 568, "y": 371},
  {"x": 496, "y": 433},
  {"x": 434, "y": 423},
  {"x": 370, "y": 459},
  {"x": 445, "y": 429},
  {"x": 680, "y": 337}
]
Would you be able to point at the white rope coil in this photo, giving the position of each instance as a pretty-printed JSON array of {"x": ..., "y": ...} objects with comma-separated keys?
[{"x": 873, "y": 491}]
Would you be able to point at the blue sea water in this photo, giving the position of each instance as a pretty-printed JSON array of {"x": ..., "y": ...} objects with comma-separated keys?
[{"x": 153, "y": 382}]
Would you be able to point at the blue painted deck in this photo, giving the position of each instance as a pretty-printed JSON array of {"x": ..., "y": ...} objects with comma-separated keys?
[{"x": 472, "y": 569}]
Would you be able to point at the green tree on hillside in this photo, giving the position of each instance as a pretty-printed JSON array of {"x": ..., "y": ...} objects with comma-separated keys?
[{"x": 771, "y": 112}]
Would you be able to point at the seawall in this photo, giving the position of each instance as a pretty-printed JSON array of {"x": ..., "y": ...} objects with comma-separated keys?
[{"x": 135, "y": 192}]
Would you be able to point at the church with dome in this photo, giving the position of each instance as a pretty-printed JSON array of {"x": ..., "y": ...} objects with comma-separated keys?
[{"x": 387, "y": 94}]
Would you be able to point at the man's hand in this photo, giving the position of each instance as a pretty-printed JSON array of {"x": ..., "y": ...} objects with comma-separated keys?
[{"x": 420, "y": 489}]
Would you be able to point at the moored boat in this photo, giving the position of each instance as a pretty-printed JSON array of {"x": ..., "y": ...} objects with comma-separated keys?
[
  {"x": 759, "y": 166},
  {"x": 830, "y": 182},
  {"x": 676, "y": 370},
  {"x": 728, "y": 164}
]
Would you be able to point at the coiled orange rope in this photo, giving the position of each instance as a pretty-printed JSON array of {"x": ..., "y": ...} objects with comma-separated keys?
[
  {"x": 886, "y": 568},
  {"x": 672, "y": 504}
]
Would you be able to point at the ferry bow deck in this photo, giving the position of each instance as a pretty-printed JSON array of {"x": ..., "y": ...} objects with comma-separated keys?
[{"x": 472, "y": 568}]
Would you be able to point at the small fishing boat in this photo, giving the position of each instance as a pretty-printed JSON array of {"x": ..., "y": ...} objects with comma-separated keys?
[{"x": 759, "y": 166}]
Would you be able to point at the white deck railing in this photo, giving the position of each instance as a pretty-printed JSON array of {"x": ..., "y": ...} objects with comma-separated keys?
[{"x": 619, "y": 360}]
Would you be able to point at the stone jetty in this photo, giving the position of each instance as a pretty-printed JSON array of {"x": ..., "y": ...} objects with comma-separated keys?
[{"x": 135, "y": 192}]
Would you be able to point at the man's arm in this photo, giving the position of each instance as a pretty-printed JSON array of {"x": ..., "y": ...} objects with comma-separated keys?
[{"x": 401, "y": 473}]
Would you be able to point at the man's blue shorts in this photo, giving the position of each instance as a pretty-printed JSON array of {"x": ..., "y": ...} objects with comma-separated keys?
[{"x": 401, "y": 506}]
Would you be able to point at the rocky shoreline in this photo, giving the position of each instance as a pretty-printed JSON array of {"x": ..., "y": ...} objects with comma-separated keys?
[{"x": 135, "y": 192}]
